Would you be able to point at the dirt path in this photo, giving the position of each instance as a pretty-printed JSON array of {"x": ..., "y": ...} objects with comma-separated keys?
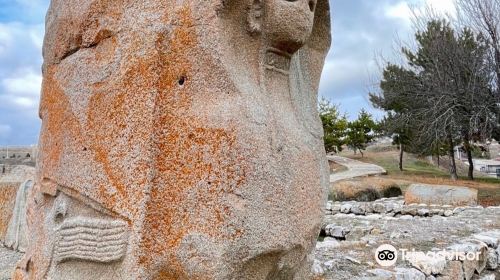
[{"x": 355, "y": 169}]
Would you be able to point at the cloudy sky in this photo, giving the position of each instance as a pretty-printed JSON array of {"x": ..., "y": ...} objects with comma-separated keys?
[{"x": 362, "y": 31}]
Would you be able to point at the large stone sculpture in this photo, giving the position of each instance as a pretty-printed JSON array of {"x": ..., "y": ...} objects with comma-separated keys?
[{"x": 180, "y": 140}]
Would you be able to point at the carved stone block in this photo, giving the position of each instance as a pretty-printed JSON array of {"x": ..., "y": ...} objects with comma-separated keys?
[
  {"x": 91, "y": 240},
  {"x": 180, "y": 140}
]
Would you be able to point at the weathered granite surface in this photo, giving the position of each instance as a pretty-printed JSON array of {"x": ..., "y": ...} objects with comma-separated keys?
[
  {"x": 180, "y": 140},
  {"x": 8, "y": 259},
  {"x": 16, "y": 236},
  {"x": 7, "y": 200},
  {"x": 10, "y": 182}
]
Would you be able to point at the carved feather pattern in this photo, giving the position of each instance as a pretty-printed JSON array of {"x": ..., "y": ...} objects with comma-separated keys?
[{"x": 91, "y": 240}]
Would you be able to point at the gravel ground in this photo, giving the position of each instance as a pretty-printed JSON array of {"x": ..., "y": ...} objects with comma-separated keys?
[{"x": 350, "y": 259}]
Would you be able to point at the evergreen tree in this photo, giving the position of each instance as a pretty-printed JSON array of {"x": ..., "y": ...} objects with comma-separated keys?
[
  {"x": 361, "y": 132},
  {"x": 444, "y": 92},
  {"x": 334, "y": 126}
]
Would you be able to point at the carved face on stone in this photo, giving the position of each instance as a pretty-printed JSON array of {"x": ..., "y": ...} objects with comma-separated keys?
[{"x": 287, "y": 24}]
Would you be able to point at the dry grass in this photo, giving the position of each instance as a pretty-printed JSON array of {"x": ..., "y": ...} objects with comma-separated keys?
[{"x": 367, "y": 188}]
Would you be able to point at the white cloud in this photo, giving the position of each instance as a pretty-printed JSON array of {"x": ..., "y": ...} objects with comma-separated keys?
[
  {"x": 342, "y": 73},
  {"x": 20, "y": 81},
  {"x": 36, "y": 35},
  {"x": 37, "y": 39},
  {"x": 5, "y": 38},
  {"x": 20, "y": 75},
  {"x": 404, "y": 10},
  {"x": 21, "y": 40},
  {"x": 400, "y": 11},
  {"x": 20, "y": 48},
  {"x": 442, "y": 6},
  {"x": 26, "y": 82},
  {"x": 26, "y": 102},
  {"x": 18, "y": 34}
]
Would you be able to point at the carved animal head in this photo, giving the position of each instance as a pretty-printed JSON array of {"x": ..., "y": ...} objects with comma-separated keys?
[{"x": 285, "y": 24}]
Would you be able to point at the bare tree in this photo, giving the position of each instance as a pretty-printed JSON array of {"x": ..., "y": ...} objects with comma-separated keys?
[{"x": 484, "y": 16}]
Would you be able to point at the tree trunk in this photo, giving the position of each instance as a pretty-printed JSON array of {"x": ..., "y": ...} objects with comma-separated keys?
[
  {"x": 361, "y": 152},
  {"x": 453, "y": 166},
  {"x": 401, "y": 151},
  {"x": 439, "y": 160},
  {"x": 497, "y": 60},
  {"x": 468, "y": 150}
]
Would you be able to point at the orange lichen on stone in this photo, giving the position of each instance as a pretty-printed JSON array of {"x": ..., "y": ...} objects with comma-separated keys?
[
  {"x": 112, "y": 107},
  {"x": 161, "y": 116},
  {"x": 60, "y": 123},
  {"x": 193, "y": 163}
]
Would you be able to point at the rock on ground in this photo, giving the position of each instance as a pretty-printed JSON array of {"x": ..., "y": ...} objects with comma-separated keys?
[
  {"x": 428, "y": 265},
  {"x": 472, "y": 229},
  {"x": 409, "y": 274},
  {"x": 435, "y": 194}
]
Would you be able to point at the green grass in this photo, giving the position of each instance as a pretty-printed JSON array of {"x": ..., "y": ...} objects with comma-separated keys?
[
  {"x": 484, "y": 180},
  {"x": 418, "y": 167},
  {"x": 411, "y": 165}
]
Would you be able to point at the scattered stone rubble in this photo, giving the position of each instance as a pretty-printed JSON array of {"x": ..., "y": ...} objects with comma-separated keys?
[
  {"x": 391, "y": 207},
  {"x": 352, "y": 232},
  {"x": 429, "y": 268}
]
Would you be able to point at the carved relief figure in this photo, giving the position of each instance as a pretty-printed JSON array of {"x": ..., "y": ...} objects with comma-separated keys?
[{"x": 180, "y": 140}]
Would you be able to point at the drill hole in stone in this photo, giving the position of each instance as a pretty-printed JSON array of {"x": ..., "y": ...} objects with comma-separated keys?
[
  {"x": 59, "y": 218},
  {"x": 311, "y": 6},
  {"x": 182, "y": 80}
]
